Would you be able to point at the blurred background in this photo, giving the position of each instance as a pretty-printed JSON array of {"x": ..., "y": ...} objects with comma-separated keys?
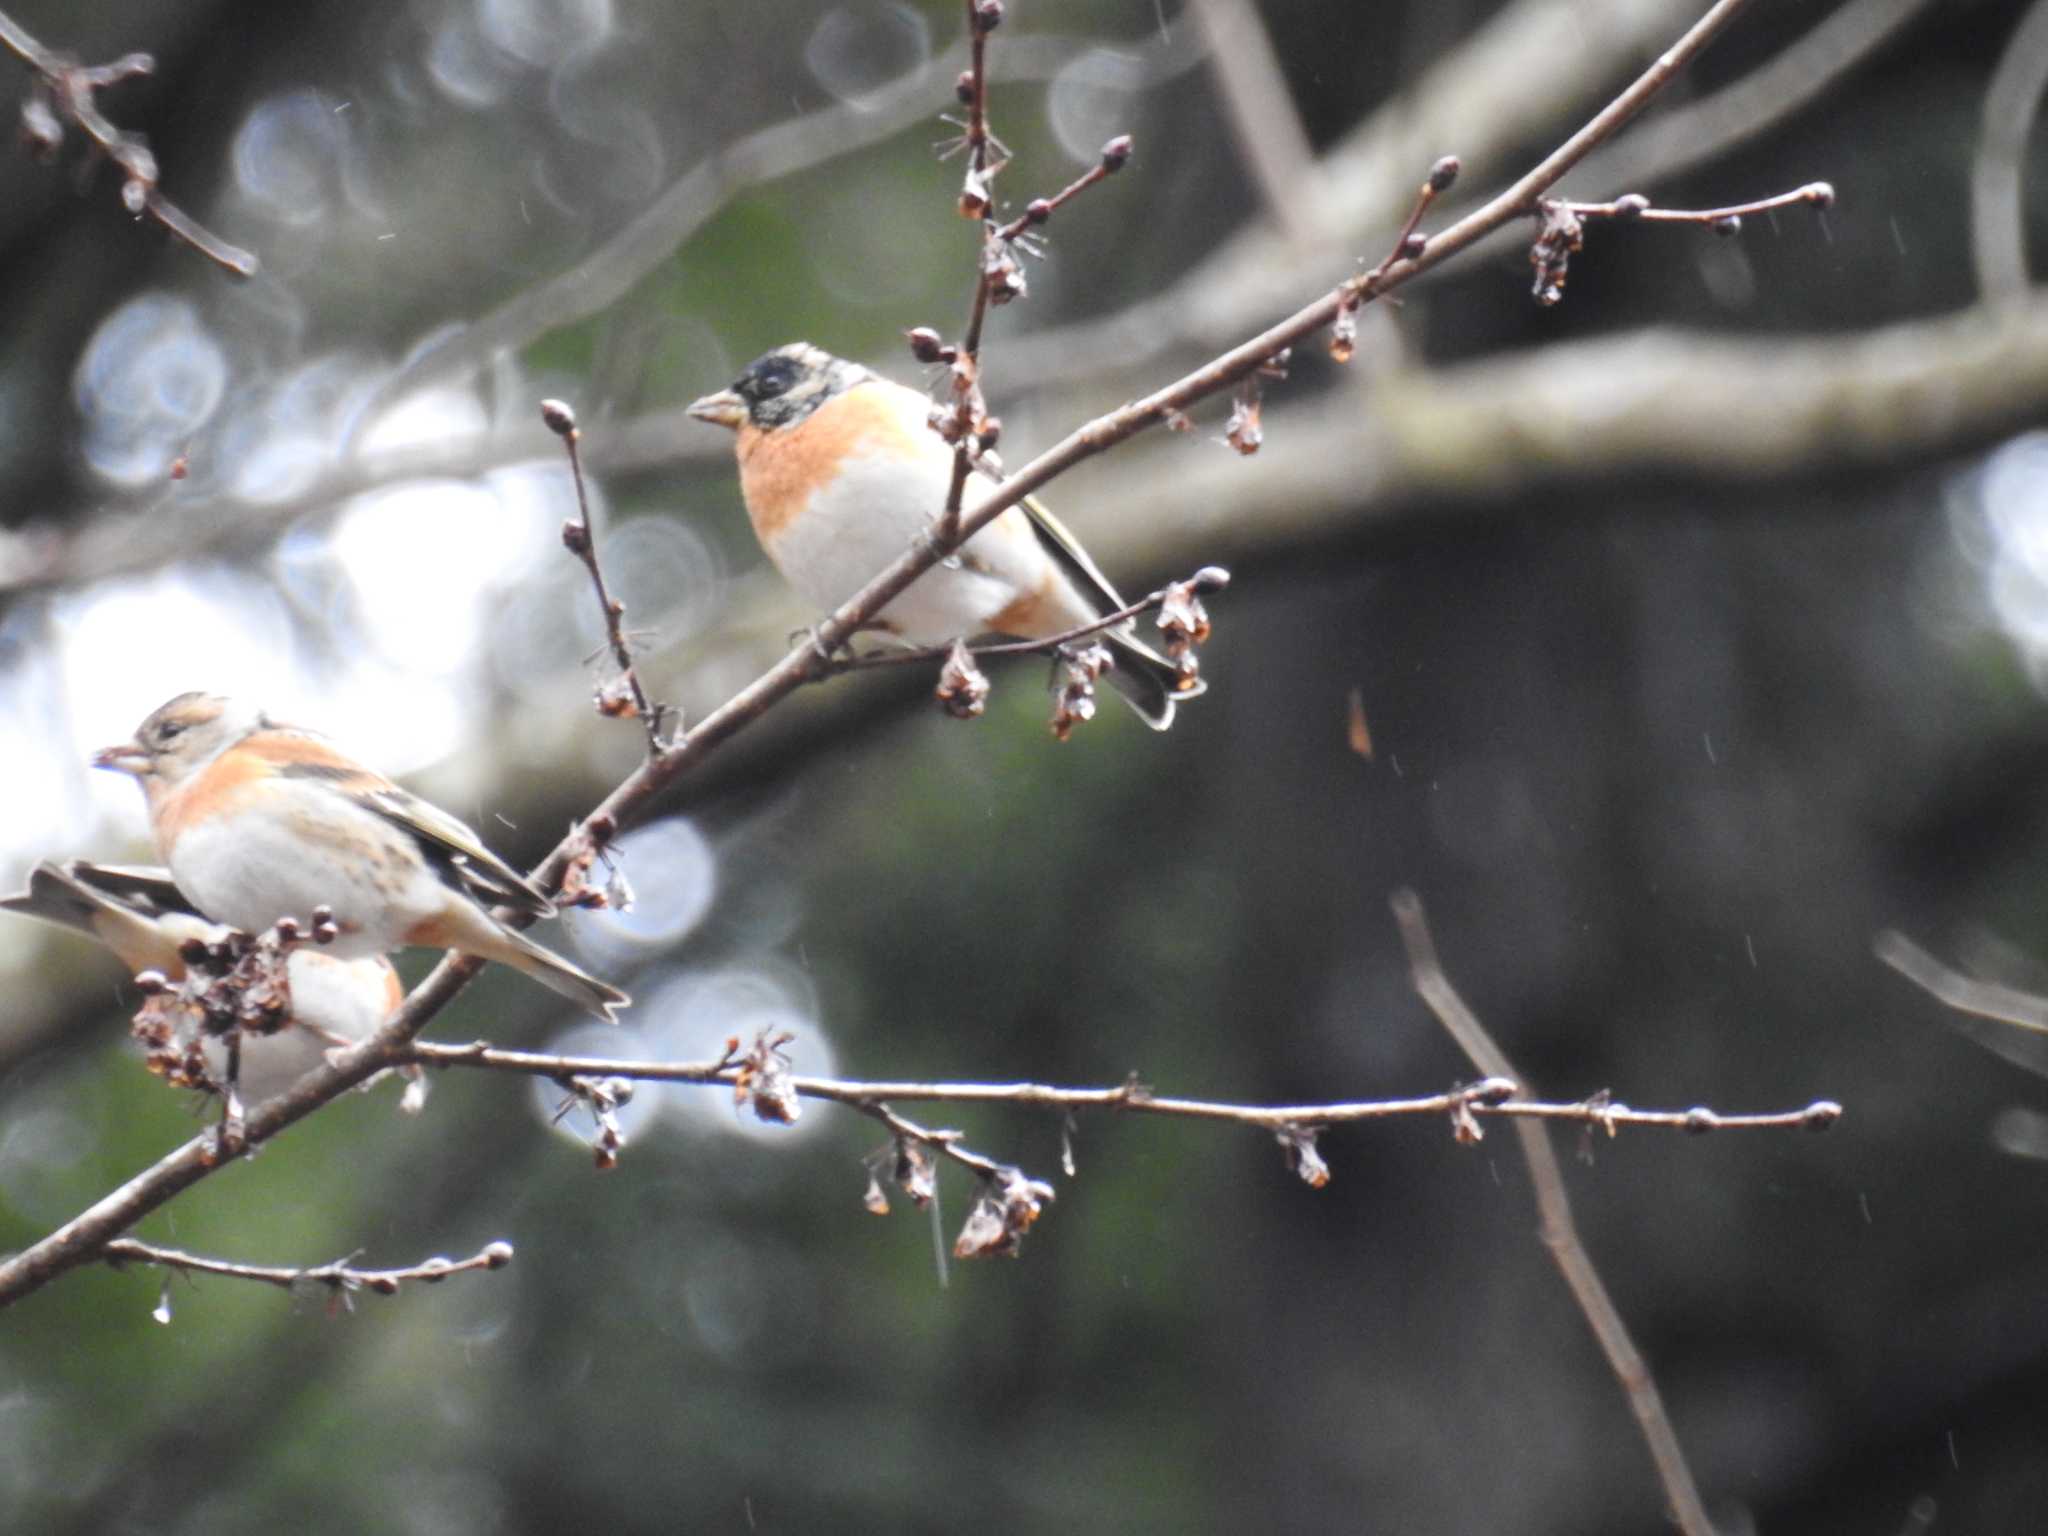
[{"x": 1700, "y": 623}]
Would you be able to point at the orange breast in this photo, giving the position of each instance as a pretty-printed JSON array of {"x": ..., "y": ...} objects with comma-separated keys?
[
  {"x": 781, "y": 469},
  {"x": 213, "y": 791}
]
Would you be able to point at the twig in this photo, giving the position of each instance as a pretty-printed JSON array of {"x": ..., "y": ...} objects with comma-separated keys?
[
  {"x": 1209, "y": 579},
  {"x": 85, "y": 1236},
  {"x": 580, "y": 539},
  {"x": 1561, "y": 225},
  {"x": 67, "y": 91},
  {"x": 1560, "y": 1233},
  {"x": 976, "y": 202},
  {"x": 340, "y": 1276},
  {"x": 1484, "y": 1099},
  {"x": 1635, "y": 208}
]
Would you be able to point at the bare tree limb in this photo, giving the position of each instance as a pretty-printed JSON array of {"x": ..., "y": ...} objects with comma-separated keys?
[
  {"x": 1560, "y": 1232},
  {"x": 1487, "y": 1099},
  {"x": 340, "y": 1276}
]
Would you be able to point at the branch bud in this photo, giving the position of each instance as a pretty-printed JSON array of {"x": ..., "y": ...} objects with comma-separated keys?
[
  {"x": 1444, "y": 172},
  {"x": 1116, "y": 153},
  {"x": 559, "y": 418}
]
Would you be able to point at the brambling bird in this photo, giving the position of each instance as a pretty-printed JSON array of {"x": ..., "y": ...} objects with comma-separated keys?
[
  {"x": 144, "y": 919},
  {"x": 260, "y": 821},
  {"x": 840, "y": 471}
]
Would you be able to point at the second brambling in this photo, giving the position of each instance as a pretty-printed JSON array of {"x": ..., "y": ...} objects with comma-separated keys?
[
  {"x": 260, "y": 821},
  {"x": 840, "y": 471},
  {"x": 143, "y": 918}
]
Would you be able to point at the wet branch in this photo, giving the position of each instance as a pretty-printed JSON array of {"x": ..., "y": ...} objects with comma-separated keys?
[
  {"x": 624, "y": 696},
  {"x": 340, "y": 1276}
]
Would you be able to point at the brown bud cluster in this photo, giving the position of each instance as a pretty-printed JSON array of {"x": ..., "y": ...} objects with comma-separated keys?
[
  {"x": 1079, "y": 670},
  {"x": 1007, "y": 1207},
  {"x": 1559, "y": 236},
  {"x": 764, "y": 1082},
  {"x": 963, "y": 687}
]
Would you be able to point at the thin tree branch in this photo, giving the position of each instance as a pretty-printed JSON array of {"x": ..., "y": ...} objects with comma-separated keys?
[
  {"x": 1485, "y": 1099},
  {"x": 66, "y": 91},
  {"x": 579, "y": 537},
  {"x": 1209, "y": 579},
  {"x": 83, "y": 1237},
  {"x": 339, "y": 1276},
  {"x": 1560, "y": 1232}
]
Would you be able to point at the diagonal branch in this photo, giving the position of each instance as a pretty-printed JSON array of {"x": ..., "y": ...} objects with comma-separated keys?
[
  {"x": 1560, "y": 1232},
  {"x": 340, "y": 1276}
]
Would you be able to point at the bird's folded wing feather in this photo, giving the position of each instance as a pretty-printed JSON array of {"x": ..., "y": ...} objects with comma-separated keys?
[{"x": 447, "y": 841}]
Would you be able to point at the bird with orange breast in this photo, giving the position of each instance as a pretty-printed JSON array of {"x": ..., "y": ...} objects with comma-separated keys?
[
  {"x": 840, "y": 472},
  {"x": 260, "y": 821},
  {"x": 142, "y": 917}
]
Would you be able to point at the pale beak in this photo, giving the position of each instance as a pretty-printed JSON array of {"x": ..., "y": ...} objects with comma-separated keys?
[
  {"x": 126, "y": 758},
  {"x": 724, "y": 409}
]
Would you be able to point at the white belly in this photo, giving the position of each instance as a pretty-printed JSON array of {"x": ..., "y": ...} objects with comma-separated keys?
[
  {"x": 871, "y": 516},
  {"x": 249, "y": 870}
]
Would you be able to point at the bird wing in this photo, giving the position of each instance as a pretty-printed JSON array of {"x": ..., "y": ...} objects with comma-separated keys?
[
  {"x": 1071, "y": 558},
  {"x": 146, "y": 886},
  {"x": 448, "y": 844},
  {"x": 459, "y": 852}
]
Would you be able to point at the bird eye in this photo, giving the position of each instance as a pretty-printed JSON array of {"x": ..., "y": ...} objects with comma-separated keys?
[{"x": 169, "y": 729}]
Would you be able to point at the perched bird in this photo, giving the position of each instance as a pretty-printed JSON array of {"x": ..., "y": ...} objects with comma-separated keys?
[
  {"x": 144, "y": 919},
  {"x": 260, "y": 821},
  {"x": 840, "y": 471}
]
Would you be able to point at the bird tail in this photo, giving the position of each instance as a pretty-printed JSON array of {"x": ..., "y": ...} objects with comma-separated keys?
[
  {"x": 1147, "y": 681},
  {"x": 556, "y": 974}
]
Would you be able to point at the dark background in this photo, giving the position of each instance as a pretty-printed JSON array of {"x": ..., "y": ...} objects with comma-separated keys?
[{"x": 1664, "y": 733}]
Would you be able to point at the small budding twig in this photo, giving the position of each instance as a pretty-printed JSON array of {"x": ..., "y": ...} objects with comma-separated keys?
[
  {"x": 1561, "y": 231},
  {"x": 1207, "y": 581},
  {"x": 1409, "y": 245},
  {"x": 339, "y": 1277},
  {"x": 66, "y": 91},
  {"x": 999, "y": 276},
  {"x": 624, "y": 696}
]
